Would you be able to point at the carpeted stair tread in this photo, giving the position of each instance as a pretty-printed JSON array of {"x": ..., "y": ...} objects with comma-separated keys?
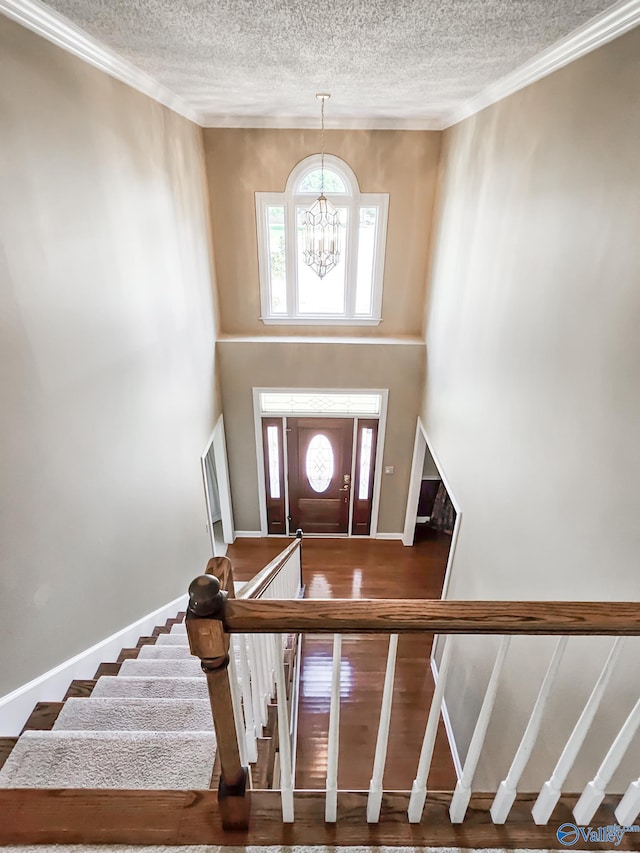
[
  {"x": 180, "y": 629},
  {"x": 120, "y": 714},
  {"x": 172, "y": 640},
  {"x": 150, "y": 688},
  {"x": 165, "y": 653},
  {"x": 110, "y": 760},
  {"x": 187, "y": 668}
]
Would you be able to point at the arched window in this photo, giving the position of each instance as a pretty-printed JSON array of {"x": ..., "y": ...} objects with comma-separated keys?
[{"x": 352, "y": 291}]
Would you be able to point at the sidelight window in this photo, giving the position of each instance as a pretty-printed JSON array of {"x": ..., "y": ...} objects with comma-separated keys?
[
  {"x": 364, "y": 473},
  {"x": 274, "y": 462}
]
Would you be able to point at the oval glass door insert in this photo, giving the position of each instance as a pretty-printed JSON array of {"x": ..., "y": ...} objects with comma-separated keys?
[{"x": 319, "y": 463}]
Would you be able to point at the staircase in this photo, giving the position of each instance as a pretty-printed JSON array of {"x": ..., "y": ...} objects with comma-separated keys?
[
  {"x": 135, "y": 761},
  {"x": 149, "y": 726}
]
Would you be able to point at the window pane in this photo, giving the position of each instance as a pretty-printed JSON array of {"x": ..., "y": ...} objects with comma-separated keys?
[
  {"x": 319, "y": 463},
  {"x": 312, "y": 182},
  {"x": 365, "y": 463},
  {"x": 277, "y": 260},
  {"x": 326, "y": 295},
  {"x": 274, "y": 462},
  {"x": 366, "y": 254}
]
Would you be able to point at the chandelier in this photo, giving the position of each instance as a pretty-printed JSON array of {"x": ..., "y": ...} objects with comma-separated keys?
[{"x": 321, "y": 223}]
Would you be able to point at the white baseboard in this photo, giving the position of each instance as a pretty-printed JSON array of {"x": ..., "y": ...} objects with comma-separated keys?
[
  {"x": 457, "y": 764},
  {"x": 51, "y": 686},
  {"x": 257, "y": 534}
]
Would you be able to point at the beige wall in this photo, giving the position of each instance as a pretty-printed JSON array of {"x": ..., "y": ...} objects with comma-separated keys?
[
  {"x": 106, "y": 355},
  {"x": 533, "y": 384},
  {"x": 243, "y": 162},
  {"x": 244, "y": 366}
]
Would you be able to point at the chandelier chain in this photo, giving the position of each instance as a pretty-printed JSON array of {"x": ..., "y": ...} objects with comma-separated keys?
[{"x": 322, "y": 148}]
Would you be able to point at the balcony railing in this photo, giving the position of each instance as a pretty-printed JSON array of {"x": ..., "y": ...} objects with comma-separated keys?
[
  {"x": 270, "y": 617},
  {"x": 239, "y": 640}
]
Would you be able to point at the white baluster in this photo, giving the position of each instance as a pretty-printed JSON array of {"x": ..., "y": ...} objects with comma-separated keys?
[
  {"x": 462, "y": 793},
  {"x": 262, "y": 642},
  {"x": 629, "y": 806},
  {"x": 287, "y": 578},
  {"x": 256, "y": 692},
  {"x": 237, "y": 707},
  {"x": 331, "y": 805},
  {"x": 262, "y": 675},
  {"x": 295, "y": 702},
  {"x": 375, "y": 786},
  {"x": 247, "y": 698},
  {"x": 507, "y": 790},
  {"x": 594, "y": 793},
  {"x": 419, "y": 787},
  {"x": 286, "y": 780},
  {"x": 294, "y": 575},
  {"x": 552, "y": 789},
  {"x": 271, "y": 661}
]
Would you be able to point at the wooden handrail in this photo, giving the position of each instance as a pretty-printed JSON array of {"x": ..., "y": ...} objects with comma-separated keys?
[
  {"x": 349, "y": 616},
  {"x": 222, "y": 568},
  {"x": 257, "y": 586}
]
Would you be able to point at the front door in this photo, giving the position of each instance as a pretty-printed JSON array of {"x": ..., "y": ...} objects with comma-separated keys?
[{"x": 319, "y": 460}]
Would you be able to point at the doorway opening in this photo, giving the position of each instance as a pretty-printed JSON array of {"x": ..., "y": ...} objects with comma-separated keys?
[
  {"x": 432, "y": 510},
  {"x": 319, "y": 460},
  {"x": 217, "y": 491}
]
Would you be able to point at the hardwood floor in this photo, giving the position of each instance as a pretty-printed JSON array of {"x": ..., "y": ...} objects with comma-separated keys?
[
  {"x": 363, "y": 568},
  {"x": 43, "y": 716},
  {"x": 151, "y": 817},
  {"x": 6, "y": 745},
  {"x": 355, "y": 568}
]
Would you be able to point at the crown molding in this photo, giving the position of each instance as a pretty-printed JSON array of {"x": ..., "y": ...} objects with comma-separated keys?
[
  {"x": 598, "y": 31},
  {"x": 56, "y": 28},
  {"x": 212, "y": 120}
]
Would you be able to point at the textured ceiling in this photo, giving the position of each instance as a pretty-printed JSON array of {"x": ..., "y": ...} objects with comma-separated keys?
[{"x": 382, "y": 60}]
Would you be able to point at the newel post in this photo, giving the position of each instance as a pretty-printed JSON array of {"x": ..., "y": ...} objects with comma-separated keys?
[{"x": 210, "y": 642}]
